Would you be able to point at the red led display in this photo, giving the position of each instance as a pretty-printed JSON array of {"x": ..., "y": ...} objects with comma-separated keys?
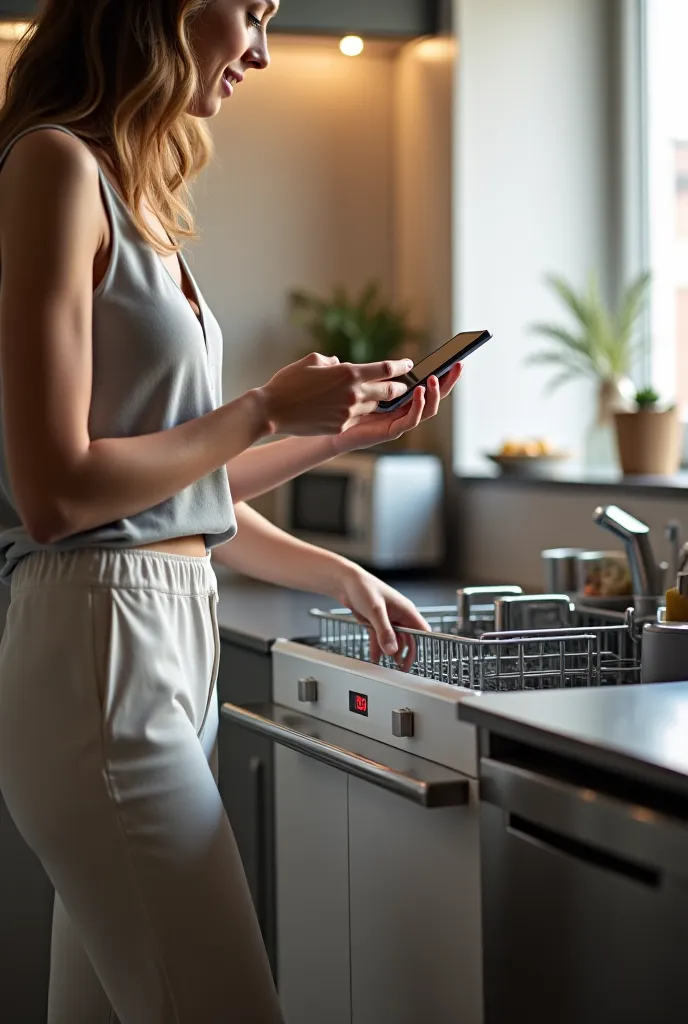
[{"x": 358, "y": 703}]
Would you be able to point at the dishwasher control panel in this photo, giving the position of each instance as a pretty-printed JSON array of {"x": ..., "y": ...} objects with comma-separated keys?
[{"x": 408, "y": 712}]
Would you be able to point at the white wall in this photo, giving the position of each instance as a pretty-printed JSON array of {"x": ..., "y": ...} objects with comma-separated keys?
[
  {"x": 329, "y": 170},
  {"x": 533, "y": 196},
  {"x": 300, "y": 195}
]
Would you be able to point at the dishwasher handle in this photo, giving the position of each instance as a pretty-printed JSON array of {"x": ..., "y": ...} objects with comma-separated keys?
[
  {"x": 414, "y": 778},
  {"x": 618, "y": 826}
]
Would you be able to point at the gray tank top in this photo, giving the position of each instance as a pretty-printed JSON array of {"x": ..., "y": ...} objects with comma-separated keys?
[{"x": 155, "y": 365}]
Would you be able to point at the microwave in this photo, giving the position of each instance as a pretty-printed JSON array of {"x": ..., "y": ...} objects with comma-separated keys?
[{"x": 384, "y": 511}]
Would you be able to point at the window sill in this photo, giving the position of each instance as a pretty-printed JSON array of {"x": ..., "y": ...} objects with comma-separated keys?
[{"x": 581, "y": 479}]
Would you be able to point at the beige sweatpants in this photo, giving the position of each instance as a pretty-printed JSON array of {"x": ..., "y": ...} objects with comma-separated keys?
[{"x": 108, "y": 719}]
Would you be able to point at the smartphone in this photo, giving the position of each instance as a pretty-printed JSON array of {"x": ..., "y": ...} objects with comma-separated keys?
[{"x": 437, "y": 364}]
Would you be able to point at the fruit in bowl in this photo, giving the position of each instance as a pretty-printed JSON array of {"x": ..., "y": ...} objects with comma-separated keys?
[
  {"x": 525, "y": 449},
  {"x": 527, "y": 458}
]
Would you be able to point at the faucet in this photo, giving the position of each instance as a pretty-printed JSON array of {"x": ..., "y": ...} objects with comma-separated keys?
[
  {"x": 647, "y": 575},
  {"x": 672, "y": 534}
]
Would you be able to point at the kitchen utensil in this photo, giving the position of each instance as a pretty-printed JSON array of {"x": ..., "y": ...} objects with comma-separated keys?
[
  {"x": 476, "y": 607},
  {"x": 672, "y": 533},
  {"x": 664, "y": 657},
  {"x": 645, "y": 573},
  {"x": 532, "y": 611},
  {"x": 683, "y": 558},
  {"x": 559, "y": 567}
]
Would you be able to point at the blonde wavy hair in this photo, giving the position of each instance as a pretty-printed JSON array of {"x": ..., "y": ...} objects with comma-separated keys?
[{"x": 121, "y": 75}]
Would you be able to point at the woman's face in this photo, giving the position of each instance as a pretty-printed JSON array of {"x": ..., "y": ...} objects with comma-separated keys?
[{"x": 228, "y": 37}]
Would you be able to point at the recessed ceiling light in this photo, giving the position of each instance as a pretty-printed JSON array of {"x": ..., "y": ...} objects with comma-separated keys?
[{"x": 352, "y": 46}]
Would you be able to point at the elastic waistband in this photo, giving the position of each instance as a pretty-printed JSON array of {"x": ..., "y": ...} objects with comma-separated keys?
[{"x": 129, "y": 569}]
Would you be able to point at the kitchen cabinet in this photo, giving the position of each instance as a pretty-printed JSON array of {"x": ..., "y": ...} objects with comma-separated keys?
[
  {"x": 17, "y": 9},
  {"x": 385, "y": 18},
  {"x": 371, "y": 921},
  {"x": 313, "y": 971},
  {"x": 403, "y": 19},
  {"x": 26, "y": 910},
  {"x": 246, "y": 778},
  {"x": 410, "y": 920}
]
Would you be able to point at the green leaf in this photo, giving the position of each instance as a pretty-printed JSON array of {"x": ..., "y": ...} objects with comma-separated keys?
[
  {"x": 602, "y": 343},
  {"x": 579, "y": 345},
  {"x": 576, "y": 304},
  {"x": 632, "y": 306},
  {"x": 647, "y": 398},
  {"x": 365, "y": 328}
]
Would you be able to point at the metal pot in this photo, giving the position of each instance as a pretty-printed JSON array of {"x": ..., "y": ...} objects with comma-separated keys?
[
  {"x": 559, "y": 567},
  {"x": 664, "y": 652}
]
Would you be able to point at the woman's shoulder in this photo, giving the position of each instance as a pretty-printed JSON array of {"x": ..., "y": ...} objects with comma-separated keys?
[
  {"x": 47, "y": 164},
  {"x": 50, "y": 151}
]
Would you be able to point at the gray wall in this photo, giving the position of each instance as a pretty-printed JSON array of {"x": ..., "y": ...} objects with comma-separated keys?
[{"x": 501, "y": 528}]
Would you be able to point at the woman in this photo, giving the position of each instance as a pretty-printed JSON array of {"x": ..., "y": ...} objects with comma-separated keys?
[{"x": 115, "y": 457}]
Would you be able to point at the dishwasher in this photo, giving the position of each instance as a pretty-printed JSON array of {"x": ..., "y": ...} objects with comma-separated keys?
[
  {"x": 377, "y": 813},
  {"x": 584, "y": 891}
]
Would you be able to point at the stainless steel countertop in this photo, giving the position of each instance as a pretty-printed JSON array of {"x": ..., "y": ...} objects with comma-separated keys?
[
  {"x": 640, "y": 732},
  {"x": 255, "y": 614}
]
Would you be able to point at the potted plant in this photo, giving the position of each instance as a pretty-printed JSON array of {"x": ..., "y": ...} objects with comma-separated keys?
[
  {"x": 598, "y": 345},
  {"x": 649, "y": 437},
  {"x": 363, "y": 329}
]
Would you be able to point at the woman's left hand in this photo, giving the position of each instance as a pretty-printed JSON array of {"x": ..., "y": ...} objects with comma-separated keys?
[
  {"x": 386, "y": 612},
  {"x": 379, "y": 427}
]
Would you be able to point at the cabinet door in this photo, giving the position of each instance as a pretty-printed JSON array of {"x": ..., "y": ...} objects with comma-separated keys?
[
  {"x": 312, "y": 890},
  {"x": 19, "y": 8},
  {"x": 245, "y": 781},
  {"x": 26, "y": 911},
  {"x": 415, "y": 910},
  {"x": 376, "y": 17}
]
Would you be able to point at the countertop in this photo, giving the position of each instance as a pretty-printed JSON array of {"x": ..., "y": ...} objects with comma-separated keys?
[
  {"x": 639, "y": 732},
  {"x": 580, "y": 478},
  {"x": 255, "y": 614}
]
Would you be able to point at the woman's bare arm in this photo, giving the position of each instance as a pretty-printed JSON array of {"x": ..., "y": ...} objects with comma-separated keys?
[
  {"x": 63, "y": 482},
  {"x": 267, "y": 553}
]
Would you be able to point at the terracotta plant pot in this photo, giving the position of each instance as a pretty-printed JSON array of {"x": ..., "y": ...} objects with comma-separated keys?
[{"x": 649, "y": 442}]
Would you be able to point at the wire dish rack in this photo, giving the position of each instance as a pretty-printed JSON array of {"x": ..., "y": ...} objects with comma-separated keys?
[{"x": 597, "y": 649}]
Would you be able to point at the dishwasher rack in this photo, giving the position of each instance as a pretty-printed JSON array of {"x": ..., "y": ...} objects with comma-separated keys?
[{"x": 597, "y": 649}]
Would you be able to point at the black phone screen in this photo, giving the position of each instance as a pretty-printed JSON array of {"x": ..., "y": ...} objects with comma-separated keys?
[
  {"x": 452, "y": 352},
  {"x": 438, "y": 362}
]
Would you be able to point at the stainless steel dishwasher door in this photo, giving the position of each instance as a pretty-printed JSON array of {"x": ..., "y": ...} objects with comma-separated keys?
[
  {"x": 585, "y": 903},
  {"x": 378, "y": 913}
]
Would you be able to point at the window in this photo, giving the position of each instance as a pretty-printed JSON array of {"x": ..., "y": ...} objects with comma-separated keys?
[{"x": 666, "y": 137}]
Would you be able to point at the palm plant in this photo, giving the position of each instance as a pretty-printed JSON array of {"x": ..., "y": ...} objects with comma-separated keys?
[
  {"x": 600, "y": 345},
  {"x": 357, "y": 330}
]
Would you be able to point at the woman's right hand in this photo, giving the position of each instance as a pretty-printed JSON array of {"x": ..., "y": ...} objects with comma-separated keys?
[{"x": 320, "y": 395}]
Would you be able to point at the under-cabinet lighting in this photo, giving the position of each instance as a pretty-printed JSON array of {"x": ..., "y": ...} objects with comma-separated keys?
[
  {"x": 12, "y": 31},
  {"x": 352, "y": 46}
]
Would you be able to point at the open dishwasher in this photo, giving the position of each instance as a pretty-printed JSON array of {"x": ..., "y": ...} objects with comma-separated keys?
[{"x": 377, "y": 823}]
